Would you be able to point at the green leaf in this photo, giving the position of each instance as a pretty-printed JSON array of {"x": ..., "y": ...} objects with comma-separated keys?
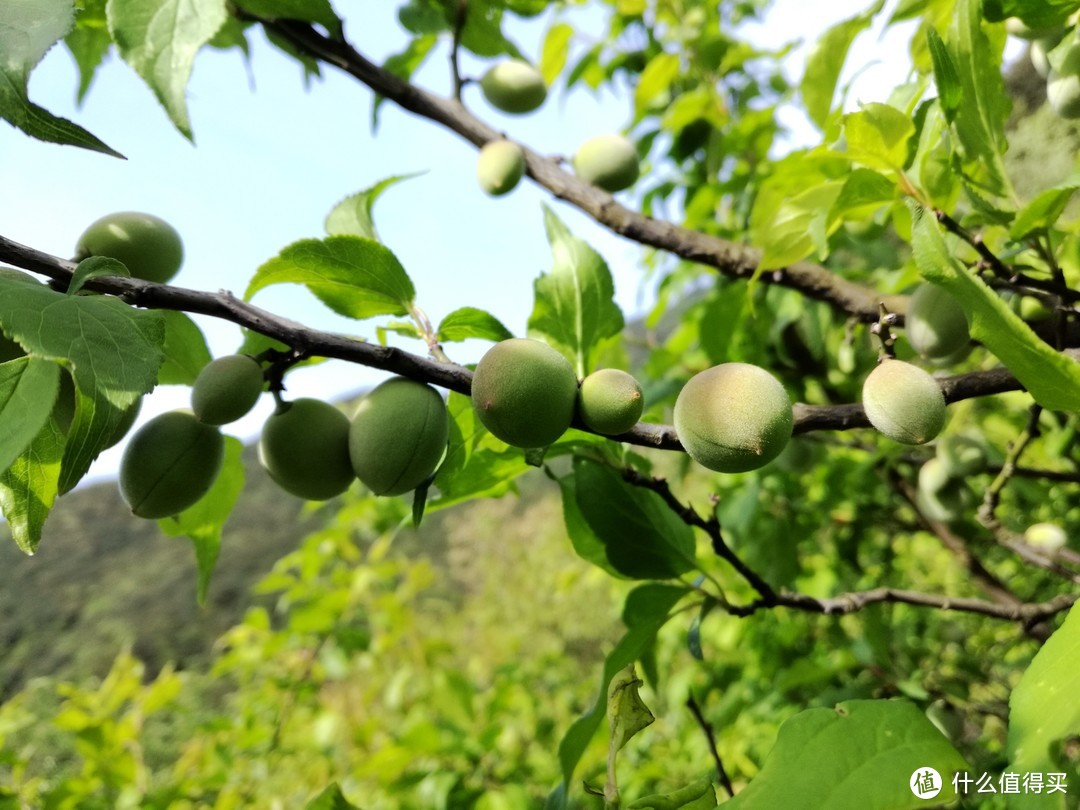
[
  {"x": 28, "y": 389},
  {"x": 554, "y": 51},
  {"x": 655, "y": 80},
  {"x": 403, "y": 65},
  {"x": 312, "y": 11},
  {"x": 186, "y": 351},
  {"x": 863, "y": 190},
  {"x": 646, "y": 611},
  {"x": 695, "y": 796},
  {"x": 353, "y": 275},
  {"x": 352, "y": 216},
  {"x": 470, "y": 322},
  {"x": 826, "y": 61},
  {"x": 786, "y": 234},
  {"x": 878, "y": 135},
  {"x": 627, "y": 713},
  {"x": 1043, "y": 709},
  {"x": 28, "y": 488},
  {"x": 476, "y": 464},
  {"x": 331, "y": 799},
  {"x": 95, "y": 267},
  {"x": 639, "y": 534},
  {"x": 984, "y": 105},
  {"x": 204, "y": 521},
  {"x": 88, "y": 42},
  {"x": 159, "y": 39},
  {"x": 1038, "y": 14},
  {"x": 1050, "y": 377},
  {"x": 482, "y": 33},
  {"x": 27, "y": 31},
  {"x": 862, "y": 754},
  {"x": 946, "y": 76},
  {"x": 574, "y": 307},
  {"x": 1042, "y": 213}
]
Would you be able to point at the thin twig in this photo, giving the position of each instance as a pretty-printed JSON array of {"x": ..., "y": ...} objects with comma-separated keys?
[
  {"x": 987, "y": 513},
  {"x": 460, "y": 18},
  {"x": 710, "y": 737}
]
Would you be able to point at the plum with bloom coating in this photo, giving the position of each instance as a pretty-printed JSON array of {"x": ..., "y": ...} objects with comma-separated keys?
[
  {"x": 904, "y": 402},
  {"x": 733, "y": 417}
]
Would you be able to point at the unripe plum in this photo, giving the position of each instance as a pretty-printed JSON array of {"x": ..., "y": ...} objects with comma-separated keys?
[
  {"x": 305, "y": 448},
  {"x": 398, "y": 435},
  {"x": 607, "y": 161},
  {"x": 500, "y": 167},
  {"x": 1063, "y": 86},
  {"x": 935, "y": 322},
  {"x": 1047, "y": 537},
  {"x": 940, "y": 497},
  {"x": 733, "y": 417},
  {"x": 169, "y": 464},
  {"x": 904, "y": 402},
  {"x": 148, "y": 246},
  {"x": 226, "y": 389},
  {"x": 524, "y": 392},
  {"x": 610, "y": 401},
  {"x": 514, "y": 86}
]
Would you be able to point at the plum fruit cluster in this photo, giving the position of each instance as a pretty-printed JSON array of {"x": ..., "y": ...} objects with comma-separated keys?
[{"x": 514, "y": 86}]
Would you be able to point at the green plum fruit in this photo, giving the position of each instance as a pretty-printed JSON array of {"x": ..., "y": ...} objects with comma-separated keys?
[
  {"x": 169, "y": 464},
  {"x": 1038, "y": 53},
  {"x": 524, "y": 392},
  {"x": 960, "y": 456},
  {"x": 610, "y": 401},
  {"x": 904, "y": 402},
  {"x": 733, "y": 417},
  {"x": 148, "y": 246},
  {"x": 1048, "y": 537},
  {"x": 939, "y": 497},
  {"x": 305, "y": 448},
  {"x": 514, "y": 86},
  {"x": 1063, "y": 86},
  {"x": 607, "y": 161},
  {"x": 500, "y": 167},
  {"x": 935, "y": 322},
  {"x": 226, "y": 389},
  {"x": 398, "y": 436}
]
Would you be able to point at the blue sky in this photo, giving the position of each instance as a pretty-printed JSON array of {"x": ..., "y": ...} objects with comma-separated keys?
[{"x": 270, "y": 161}]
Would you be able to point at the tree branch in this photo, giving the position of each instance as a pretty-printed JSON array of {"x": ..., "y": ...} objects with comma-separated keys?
[{"x": 731, "y": 259}]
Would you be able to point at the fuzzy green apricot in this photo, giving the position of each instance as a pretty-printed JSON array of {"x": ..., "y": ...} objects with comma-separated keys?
[
  {"x": 149, "y": 247},
  {"x": 904, "y": 402},
  {"x": 305, "y": 448},
  {"x": 226, "y": 389},
  {"x": 514, "y": 86},
  {"x": 500, "y": 167},
  {"x": 610, "y": 401},
  {"x": 398, "y": 435},
  {"x": 733, "y": 417},
  {"x": 938, "y": 496},
  {"x": 524, "y": 392},
  {"x": 1048, "y": 537},
  {"x": 169, "y": 464},
  {"x": 607, "y": 161},
  {"x": 935, "y": 324}
]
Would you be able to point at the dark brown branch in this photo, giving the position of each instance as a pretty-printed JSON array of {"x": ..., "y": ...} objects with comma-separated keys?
[
  {"x": 731, "y": 259},
  {"x": 226, "y": 306},
  {"x": 710, "y": 737}
]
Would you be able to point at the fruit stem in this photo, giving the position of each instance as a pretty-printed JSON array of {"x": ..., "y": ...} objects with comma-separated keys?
[{"x": 881, "y": 328}]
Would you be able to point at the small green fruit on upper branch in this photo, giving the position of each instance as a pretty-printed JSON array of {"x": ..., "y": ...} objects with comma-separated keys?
[
  {"x": 935, "y": 323},
  {"x": 148, "y": 246},
  {"x": 607, "y": 161},
  {"x": 226, "y": 389},
  {"x": 170, "y": 463},
  {"x": 733, "y": 417},
  {"x": 1047, "y": 537},
  {"x": 904, "y": 402},
  {"x": 398, "y": 435},
  {"x": 500, "y": 167},
  {"x": 514, "y": 86},
  {"x": 610, "y": 401},
  {"x": 305, "y": 449},
  {"x": 524, "y": 392}
]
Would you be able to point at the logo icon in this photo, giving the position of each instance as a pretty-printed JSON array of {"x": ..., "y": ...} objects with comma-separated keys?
[{"x": 925, "y": 783}]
